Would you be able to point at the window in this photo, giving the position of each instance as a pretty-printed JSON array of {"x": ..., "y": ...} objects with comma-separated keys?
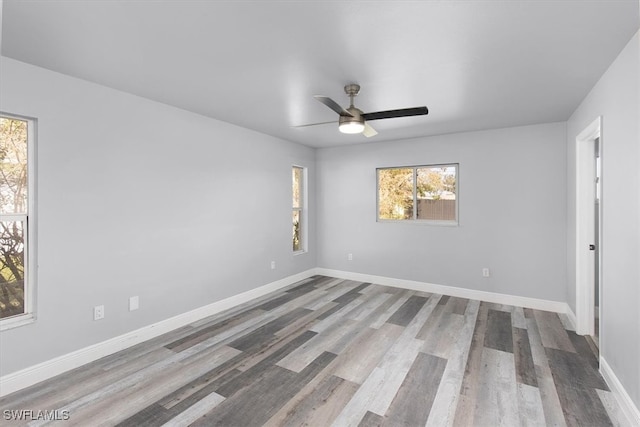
[
  {"x": 299, "y": 226},
  {"x": 16, "y": 188},
  {"x": 419, "y": 193}
]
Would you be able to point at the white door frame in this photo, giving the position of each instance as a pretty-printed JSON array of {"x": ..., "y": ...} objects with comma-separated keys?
[{"x": 585, "y": 226}]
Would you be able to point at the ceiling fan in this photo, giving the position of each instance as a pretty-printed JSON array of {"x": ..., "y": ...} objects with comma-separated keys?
[{"x": 353, "y": 120}]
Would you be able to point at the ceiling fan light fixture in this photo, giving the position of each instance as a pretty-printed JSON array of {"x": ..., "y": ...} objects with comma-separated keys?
[
  {"x": 350, "y": 124},
  {"x": 351, "y": 127}
]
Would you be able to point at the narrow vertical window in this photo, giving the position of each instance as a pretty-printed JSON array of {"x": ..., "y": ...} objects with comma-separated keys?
[
  {"x": 15, "y": 188},
  {"x": 298, "y": 208}
]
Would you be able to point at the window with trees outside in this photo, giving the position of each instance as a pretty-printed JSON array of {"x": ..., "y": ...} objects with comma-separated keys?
[
  {"x": 418, "y": 193},
  {"x": 16, "y": 136},
  {"x": 298, "y": 208}
]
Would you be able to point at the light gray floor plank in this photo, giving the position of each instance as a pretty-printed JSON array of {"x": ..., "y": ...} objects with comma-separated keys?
[
  {"x": 530, "y": 406},
  {"x": 495, "y": 403},
  {"x": 442, "y": 338},
  {"x": 457, "y": 305},
  {"x": 431, "y": 330},
  {"x": 517, "y": 318}
]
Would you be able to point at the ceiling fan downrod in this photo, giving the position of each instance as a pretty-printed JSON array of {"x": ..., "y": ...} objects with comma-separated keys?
[{"x": 352, "y": 90}]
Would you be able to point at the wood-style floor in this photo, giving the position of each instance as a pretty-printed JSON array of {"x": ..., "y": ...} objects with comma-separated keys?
[{"x": 333, "y": 352}]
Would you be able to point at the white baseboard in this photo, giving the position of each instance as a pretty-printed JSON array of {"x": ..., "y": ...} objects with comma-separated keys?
[
  {"x": 538, "y": 304},
  {"x": 34, "y": 374},
  {"x": 629, "y": 409},
  {"x": 572, "y": 317}
]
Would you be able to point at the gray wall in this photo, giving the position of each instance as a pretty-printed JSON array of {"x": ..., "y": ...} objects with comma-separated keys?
[
  {"x": 616, "y": 97},
  {"x": 512, "y": 189},
  {"x": 139, "y": 198}
]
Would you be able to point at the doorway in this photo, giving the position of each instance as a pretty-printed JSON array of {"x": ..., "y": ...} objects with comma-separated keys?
[
  {"x": 588, "y": 231},
  {"x": 596, "y": 240}
]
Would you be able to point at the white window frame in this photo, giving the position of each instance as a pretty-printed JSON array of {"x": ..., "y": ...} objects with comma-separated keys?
[
  {"x": 30, "y": 230},
  {"x": 415, "y": 220},
  {"x": 302, "y": 209}
]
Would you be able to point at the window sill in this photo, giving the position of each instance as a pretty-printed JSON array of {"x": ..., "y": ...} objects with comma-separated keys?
[
  {"x": 420, "y": 222},
  {"x": 17, "y": 321},
  {"x": 301, "y": 252}
]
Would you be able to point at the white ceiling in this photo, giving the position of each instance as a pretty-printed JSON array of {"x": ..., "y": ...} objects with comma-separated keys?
[{"x": 475, "y": 64}]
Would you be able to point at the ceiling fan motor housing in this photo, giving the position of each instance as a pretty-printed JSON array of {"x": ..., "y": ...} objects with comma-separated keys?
[{"x": 356, "y": 116}]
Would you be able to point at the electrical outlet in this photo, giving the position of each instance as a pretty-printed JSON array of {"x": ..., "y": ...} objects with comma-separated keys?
[
  {"x": 98, "y": 312},
  {"x": 273, "y": 265},
  {"x": 134, "y": 303},
  {"x": 350, "y": 257},
  {"x": 485, "y": 272}
]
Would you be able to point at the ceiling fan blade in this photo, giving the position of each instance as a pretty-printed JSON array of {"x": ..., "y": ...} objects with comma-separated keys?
[
  {"x": 314, "y": 124},
  {"x": 333, "y": 105},
  {"x": 369, "y": 131},
  {"x": 389, "y": 114}
]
